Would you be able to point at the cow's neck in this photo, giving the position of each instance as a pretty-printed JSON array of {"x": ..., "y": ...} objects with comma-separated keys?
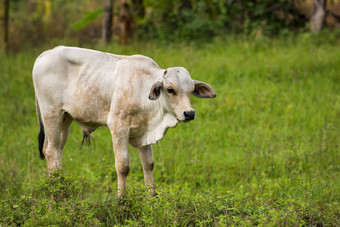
[{"x": 157, "y": 126}]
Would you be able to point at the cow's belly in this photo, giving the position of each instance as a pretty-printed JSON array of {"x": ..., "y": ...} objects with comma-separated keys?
[
  {"x": 88, "y": 109},
  {"x": 93, "y": 114}
]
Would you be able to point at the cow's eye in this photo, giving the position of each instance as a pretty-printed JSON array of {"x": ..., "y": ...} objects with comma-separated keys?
[{"x": 171, "y": 91}]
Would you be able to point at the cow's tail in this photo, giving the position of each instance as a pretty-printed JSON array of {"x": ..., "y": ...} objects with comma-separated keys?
[{"x": 41, "y": 136}]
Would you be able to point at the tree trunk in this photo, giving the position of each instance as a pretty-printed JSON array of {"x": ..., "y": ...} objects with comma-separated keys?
[
  {"x": 125, "y": 21},
  {"x": 318, "y": 15},
  {"x": 107, "y": 25},
  {"x": 5, "y": 23}
]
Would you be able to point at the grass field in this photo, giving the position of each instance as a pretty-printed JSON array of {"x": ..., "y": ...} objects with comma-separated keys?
[{"x": 265, "y": 151}]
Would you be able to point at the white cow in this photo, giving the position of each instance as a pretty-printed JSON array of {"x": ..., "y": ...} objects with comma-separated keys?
[{"x": 131, "y": 95}]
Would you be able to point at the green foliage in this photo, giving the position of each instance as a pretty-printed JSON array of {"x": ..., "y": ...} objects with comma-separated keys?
[
  {"x": 178, "y": 205},
  {"x": 37, "y": 22},
  {"x": 59, "y": 186},
  {"x": 53, "y": 201},
  {"x": 205, "y": 19},
  {"x": 265, "y": 151},
  {"x": 87, "y": 19},
  {"x": 190, "y": 20},
  {"x": 33, "y": 23}
]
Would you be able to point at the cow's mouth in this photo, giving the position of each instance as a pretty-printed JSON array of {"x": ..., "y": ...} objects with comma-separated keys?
[
  {"x": 184, "y": 120},
  {"x": 181, "y": 120}
]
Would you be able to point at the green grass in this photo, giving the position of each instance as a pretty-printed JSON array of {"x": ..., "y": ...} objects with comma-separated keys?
[{"x": 265, "y": 151}]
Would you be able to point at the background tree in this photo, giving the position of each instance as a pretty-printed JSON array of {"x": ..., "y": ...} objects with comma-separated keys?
[
  {"x": 125, "y": 21},
  {"x": 5, "y": 24},
  {"x": 107, "y": 24},
  {"x": 318, "y": 15}
]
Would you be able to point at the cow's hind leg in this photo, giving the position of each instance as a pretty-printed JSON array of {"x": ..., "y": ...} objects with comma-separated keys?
[
  {"x": 146, "y": 157},
  {"x": 57, "y": 127},
  {"x": 65, "y": 129}
]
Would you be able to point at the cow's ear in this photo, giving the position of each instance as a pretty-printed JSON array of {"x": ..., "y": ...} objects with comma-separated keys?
[
  {"x": 155, "y": 90},
  {"x": 203, "y": 90}
]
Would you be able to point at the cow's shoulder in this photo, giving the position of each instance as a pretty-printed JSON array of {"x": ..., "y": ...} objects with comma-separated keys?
[
  {"x": 142, "y": 61},
  {"x": 139, "y": 66}
]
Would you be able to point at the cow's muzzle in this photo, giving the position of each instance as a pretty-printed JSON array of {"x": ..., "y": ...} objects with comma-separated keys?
[{"x": 189, "y": 115}]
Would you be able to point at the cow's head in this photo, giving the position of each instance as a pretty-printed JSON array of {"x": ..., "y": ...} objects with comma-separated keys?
[{"x": 174, "y": 89}]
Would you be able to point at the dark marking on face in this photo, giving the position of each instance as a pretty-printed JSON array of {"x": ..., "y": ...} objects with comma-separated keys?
[{"x": 171, "y": 91}]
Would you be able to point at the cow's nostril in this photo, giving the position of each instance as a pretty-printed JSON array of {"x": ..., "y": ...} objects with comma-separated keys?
[{"x": 189, "y": 115}]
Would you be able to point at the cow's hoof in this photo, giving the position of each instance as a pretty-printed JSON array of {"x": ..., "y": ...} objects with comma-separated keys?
[
  {"x": 153, "y": 193},
  {"x": 122, "y": 200}
]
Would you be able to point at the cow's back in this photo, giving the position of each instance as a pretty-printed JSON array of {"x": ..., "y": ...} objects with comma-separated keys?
[{"x": 75, "y": 80}]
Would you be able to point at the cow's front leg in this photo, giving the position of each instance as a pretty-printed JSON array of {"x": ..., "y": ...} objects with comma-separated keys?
[
  {"x": 146, "y": 158},
  {"x": 120, "y": 140}
]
